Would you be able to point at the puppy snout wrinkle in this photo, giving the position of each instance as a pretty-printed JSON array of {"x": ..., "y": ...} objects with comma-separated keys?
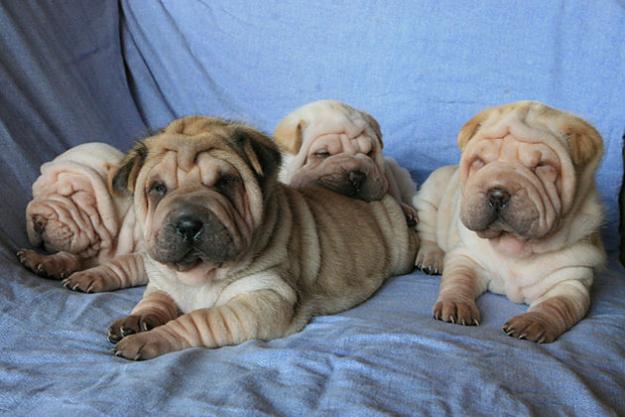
[
  {"x": 357, "y": 178},
  {"x": 189, "y": 227},
  {"x": 498, "y": 198}
]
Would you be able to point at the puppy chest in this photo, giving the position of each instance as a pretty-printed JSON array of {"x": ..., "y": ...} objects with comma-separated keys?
[
  {"x": 507, "y": 281},
  {"x": 187, "y": 298}
]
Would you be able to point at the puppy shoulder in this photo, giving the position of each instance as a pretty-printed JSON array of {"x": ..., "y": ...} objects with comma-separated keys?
[
  {"x": 401, "y": 177},
  {"x": 442, "y": 183},
  {"x": 258, "y": 281}
]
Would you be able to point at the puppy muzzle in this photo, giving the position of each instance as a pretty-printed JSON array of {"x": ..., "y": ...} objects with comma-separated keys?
[
  {"x": 192, "y": 235},
  {"x": 355, "y": 176}
]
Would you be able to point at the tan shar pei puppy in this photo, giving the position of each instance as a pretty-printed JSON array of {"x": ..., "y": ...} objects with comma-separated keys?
[
  {"x": 335, "y": 146},
  {"x": 234, "y": 255},
  {"x": 86, "y": 230},
  {"x": 519, "y": 216}
]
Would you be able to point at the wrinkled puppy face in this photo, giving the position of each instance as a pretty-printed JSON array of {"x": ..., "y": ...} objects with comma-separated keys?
[
  {"x": 199, "y": 193},
  {"x": 520, "y": 170},
  {"x": 334, "y": 146},
  {"x": 62, "y": 220},
  {"x": 346, "y": 165}
]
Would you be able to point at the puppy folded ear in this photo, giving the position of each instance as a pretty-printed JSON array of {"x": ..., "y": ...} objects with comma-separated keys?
[
  {"x": 122, "y": 179},
  {"x": 289, "y": 134},
  {"x": 470, "y": 128},
  {"x": 258, "y": 150},
  {"x": 375, "y": 126},
  {"x": 585, "y": 143}
]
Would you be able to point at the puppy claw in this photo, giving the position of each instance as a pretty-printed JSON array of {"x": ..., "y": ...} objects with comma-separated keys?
[
  {"x": 126, "y": 331},
  {"x": 112, "y": 338}
]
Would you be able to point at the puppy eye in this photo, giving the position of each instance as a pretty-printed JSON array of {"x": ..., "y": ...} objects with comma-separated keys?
[
  {"x": 370, "y": 153},
  {"x": 477, "y": 164},
  {"x": 322, "y": 154},
  {"x": 542, "y": 164},
  {"x": 226, "y": 181},
  {"x": 158, "y": 188}
]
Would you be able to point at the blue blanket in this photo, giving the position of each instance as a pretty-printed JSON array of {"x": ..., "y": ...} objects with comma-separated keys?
[{"x": 78, "y": 71}]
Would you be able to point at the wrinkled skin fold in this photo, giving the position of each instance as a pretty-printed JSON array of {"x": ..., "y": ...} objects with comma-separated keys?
[
  {"x": 84, "y": 230},
  {"x": 518, "y": 216},
  {"x": 330, "y": 144},
  {"x": 232, "y": 254}
]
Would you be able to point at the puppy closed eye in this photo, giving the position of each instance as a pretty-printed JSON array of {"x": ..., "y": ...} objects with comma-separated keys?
[
  {"x": 477, "y": 164},
  {"x": 546, "y": 170},
  {"x": 322, "y": 153}
]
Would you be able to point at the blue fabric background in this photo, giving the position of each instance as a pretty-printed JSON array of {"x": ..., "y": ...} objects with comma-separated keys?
[{"x": 77, "y": 71}]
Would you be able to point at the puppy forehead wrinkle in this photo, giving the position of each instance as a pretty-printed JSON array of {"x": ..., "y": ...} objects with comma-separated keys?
[
  {"x": 212, "y": 168},
  {"x": 161, "y": 166}
]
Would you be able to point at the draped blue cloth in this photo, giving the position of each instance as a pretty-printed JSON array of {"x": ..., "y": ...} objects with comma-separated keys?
[{"x": 75, "y": 71}]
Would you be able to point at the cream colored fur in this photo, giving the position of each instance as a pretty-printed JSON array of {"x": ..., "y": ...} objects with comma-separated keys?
[
  {"x": 74, "y": 216},
  {"x": 551, "y": 266}
]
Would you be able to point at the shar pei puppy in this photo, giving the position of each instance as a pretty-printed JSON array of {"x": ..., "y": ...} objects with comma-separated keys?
[
  {"x": 519, "y": 216},
  {"x": 232, "y": 254},
  {"x": 335, "y": 146},
  {"x": 81, "y": 225}
]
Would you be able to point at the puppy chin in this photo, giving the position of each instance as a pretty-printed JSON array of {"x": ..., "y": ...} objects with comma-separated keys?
[
  {"x": 198, "y": 274},
  {"x": 505, "y": 242}
]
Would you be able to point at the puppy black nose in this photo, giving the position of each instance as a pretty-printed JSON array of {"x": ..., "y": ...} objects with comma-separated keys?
[
  {"x": 356, "y": 178},
  {"x": 498, "y": 198},
  {"x": 189, "y": 227},
  {"x": 38, "y": 224}
]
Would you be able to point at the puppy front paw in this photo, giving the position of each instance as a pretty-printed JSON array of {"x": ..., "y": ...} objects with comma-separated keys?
[
  {"x": 430, "y": 258},
  {"x": 57, "y": 266},
  {"x": 90, "y": 281},
  {"x": 133, "y": 324},
  {"x": 412, "y": 218},
  {"x": 533, "y": 326},
  {"x": 463, "y": 312},
  {"x": 142, "y": 346}
]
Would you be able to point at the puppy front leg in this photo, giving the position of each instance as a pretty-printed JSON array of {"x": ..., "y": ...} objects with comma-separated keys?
[
  {"x": 430, "y": 256},
  {"x": 552, "y": 314},
  {"x": 262, "y": 314},
  {"x": 55, "y": 266},
  {"x": 460, "y": 286},
  {"x": 155, "y": 309},
  {"x": 120, "y": 272}
]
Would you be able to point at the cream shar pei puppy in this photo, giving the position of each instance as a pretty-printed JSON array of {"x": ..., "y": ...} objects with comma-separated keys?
[
  {"x": 84, "y": 227},
  {"x": 335, "y": 146},
  {"x": 234, "y": 255},
  {"x": 519, "y": 216}
]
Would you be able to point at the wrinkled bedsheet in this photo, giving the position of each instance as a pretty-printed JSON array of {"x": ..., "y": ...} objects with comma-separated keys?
[{"x": 77, "y": 71}]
